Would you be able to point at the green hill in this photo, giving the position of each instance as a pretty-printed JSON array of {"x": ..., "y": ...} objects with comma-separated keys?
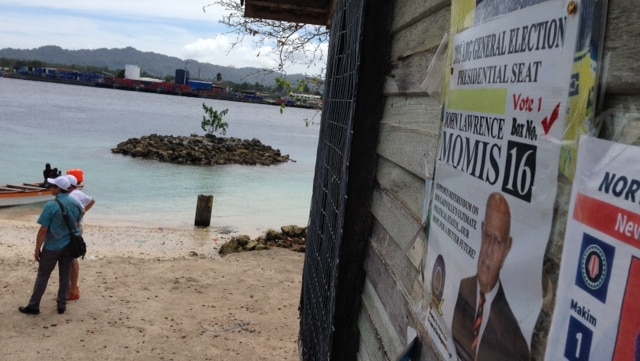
[{"x": 157, "y": 65}]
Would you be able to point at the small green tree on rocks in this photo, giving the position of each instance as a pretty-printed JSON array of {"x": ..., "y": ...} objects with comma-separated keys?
[{"x": 212, "y": 121}]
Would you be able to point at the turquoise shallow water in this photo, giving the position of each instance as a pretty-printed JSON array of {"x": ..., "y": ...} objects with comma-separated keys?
[{"x": 76, "y": 127}]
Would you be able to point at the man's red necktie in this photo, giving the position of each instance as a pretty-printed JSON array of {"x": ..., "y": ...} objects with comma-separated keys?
[{"x": 477, "y": 324}]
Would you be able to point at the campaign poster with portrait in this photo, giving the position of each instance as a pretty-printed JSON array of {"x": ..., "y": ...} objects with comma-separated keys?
[
  {"x": 597, "y": 312},
  {"x": 496, "y": 175}
]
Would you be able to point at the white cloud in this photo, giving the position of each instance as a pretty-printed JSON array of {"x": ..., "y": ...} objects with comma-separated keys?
[
  {"x": 181, "y": 29},
  {"x": 225, "y": 50},
  {"x": 185, "y": 9},
  {"x": 220, "y": 50}
]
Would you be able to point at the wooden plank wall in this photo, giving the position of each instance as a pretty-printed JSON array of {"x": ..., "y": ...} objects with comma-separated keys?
[{"x": 407, "y": 148}]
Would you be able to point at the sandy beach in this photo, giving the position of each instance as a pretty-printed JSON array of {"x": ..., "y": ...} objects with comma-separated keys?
[{"x": 152, "y": 294}]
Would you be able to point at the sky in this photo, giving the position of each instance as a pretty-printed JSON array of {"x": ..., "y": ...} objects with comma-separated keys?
[{"x": 179, "y": 28}]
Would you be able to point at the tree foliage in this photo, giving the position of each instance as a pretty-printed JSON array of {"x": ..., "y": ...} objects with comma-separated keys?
[
  {"x": 212, "y": 120},
  {"x": 294, "y": 43}
]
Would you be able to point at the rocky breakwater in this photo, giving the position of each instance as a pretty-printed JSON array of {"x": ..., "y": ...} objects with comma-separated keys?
[
  {"x": 292, "y": 237},
  {"x": 201, "y": 150}
]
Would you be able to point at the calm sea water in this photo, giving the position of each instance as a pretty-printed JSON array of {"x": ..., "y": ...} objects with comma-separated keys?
[{"x": 76, "y": 127}]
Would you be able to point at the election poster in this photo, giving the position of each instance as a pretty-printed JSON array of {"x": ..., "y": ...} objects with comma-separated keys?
[
  {"x": 597, "y": 312},
  {"x": 495, "y": 181}
]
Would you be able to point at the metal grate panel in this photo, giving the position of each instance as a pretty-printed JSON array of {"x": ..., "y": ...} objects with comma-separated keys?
[{"x": 328, "y": 202}]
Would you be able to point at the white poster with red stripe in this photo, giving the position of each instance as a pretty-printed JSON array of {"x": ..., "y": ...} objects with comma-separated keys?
[{"x": 597, "y": 312}]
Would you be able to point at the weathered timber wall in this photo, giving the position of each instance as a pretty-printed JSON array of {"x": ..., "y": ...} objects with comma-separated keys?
[{"x": 407, "y": 147}]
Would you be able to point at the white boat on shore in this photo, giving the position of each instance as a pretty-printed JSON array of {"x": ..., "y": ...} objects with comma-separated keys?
[{"x": 24, "y": 193}]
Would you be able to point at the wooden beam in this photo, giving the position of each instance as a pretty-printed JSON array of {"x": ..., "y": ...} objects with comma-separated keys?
[{"x": 314, "y": 12}]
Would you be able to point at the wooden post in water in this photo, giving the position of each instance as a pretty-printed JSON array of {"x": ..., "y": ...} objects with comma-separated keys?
[{"x": 203, "y": 210}]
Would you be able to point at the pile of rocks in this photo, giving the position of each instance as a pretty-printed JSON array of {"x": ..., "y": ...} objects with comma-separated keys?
[
  {"x": 200, "y": 150},
  {"x": 293, "y": 237}
]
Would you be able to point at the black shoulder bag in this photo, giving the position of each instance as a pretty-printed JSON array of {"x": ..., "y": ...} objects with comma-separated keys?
[{"x": 77, "y": 246}]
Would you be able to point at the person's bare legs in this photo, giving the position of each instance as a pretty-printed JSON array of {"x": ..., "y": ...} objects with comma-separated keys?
[{"x": 74, "y": 290}]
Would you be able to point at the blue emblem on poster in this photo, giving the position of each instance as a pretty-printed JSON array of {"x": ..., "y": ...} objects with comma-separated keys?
[{"x": 594, "y": 267}]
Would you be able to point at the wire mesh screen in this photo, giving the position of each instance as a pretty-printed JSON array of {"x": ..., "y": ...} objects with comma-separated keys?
[{"x": 324, "y": 235}]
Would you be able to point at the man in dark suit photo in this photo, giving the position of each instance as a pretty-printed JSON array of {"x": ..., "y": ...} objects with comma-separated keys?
[{"x": 483, "y": 326}]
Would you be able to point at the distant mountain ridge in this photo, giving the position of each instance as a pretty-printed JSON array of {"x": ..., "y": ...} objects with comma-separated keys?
[{"x": 153, "y": 63}]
